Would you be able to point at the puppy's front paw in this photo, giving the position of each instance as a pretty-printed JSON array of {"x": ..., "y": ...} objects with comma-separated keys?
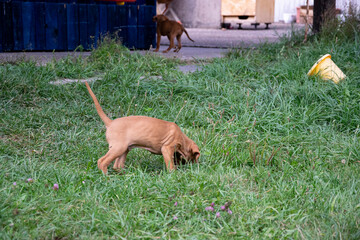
[
  {"x": 102, "y": 168},
  {"x": 156, "y": 50},
  {"x": 165, "y": 51}
]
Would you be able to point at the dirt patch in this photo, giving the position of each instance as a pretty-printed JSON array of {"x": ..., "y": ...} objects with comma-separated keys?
[{"x": 67, "y": 80}]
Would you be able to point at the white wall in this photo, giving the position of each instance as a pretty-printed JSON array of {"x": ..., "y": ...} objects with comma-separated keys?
[
  {"x": 343, "y": 4},
  {"x": 198, "y": 13},
  {"x": 207, "y": 13},
  {"x": 289, "y": 6}
]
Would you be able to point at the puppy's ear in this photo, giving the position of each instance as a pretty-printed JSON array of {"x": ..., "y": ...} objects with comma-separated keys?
[
  {"x": 195, "y": 153},
  {"x": 196, "y": 156}
]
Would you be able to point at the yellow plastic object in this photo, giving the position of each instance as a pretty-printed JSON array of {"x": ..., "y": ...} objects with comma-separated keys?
[
  {"x": 120, "y": 3},
  {"x": 327, "y": 69}
]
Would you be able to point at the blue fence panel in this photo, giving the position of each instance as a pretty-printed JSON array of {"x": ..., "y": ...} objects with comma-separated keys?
[
  {"x": 73, "y": 37},
  {"x": 111, "y": 18},
  {"x": 132, "y": 16},
  {"x": 28, "y": 22},
  {"x": 55, "y": 26},
  {"x": 121, "y": 18},
  {"x": 66, "y": 24},
  {"x": 1, "y": 26},
  {"x": 7, "y": 29},
  {"x": 40, "y": 39},
  {"x": 93, "y": 25},
  {"x": 132, "y": 23},
  {"x": 18, "y": 26},
  {"x": 62, "y": 27},
  {"x": 122, "y": 24},
  {"x": 141, "y": 38},
  {"x": 146, "y": 27},
  {"x": 146, "y": 37},
  {"x": 145, "y": 15},
  {"x": 51, "y": 26},
  {"x": 103, "y": 24},
  {"x": 132, "y": 37},
  {"x": 89, "y": 25},
  {"x": 83, "y": 30}
]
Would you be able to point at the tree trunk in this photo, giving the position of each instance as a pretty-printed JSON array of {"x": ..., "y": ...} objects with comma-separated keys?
[{"x": 324, "y": 10}]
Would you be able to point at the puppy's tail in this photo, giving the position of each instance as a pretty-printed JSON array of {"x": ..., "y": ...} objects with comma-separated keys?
[
  {"x": 188, "y": 35},
  {"x": 101, "y": 113}
]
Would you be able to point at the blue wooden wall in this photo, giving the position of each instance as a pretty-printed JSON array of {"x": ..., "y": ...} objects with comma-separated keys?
[{"x": 65, "y": 25}]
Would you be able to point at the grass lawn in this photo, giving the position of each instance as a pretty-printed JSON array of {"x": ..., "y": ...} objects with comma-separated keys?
[{"x": 282, "y": 147}]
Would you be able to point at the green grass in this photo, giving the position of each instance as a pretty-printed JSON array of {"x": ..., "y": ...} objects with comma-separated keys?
[{"x": 284, "y": 148}]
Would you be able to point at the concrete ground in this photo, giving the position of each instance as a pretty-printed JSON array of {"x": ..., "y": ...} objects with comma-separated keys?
[
  {"x": 234, "y": 38},
  {"x": 209, "y": 43}
]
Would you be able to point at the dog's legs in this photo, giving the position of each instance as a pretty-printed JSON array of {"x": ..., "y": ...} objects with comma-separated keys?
[
  {"x": 101, "y": 159},
  {"x": 168, "y": 154},
  {"x": 120, "y": 162},
  {"x": 110, "y": 156},
  {"x": 158, "y": 42},
  {"x": 171, "y": 38},
  {"x": 178, "y": 38}
]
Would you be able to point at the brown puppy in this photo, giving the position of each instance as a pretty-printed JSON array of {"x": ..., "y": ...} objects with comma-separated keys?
[
  {"x": 171, "y": 29},
  {"x": 167, "y": 2},
  {"x": 155, "y": 135}
]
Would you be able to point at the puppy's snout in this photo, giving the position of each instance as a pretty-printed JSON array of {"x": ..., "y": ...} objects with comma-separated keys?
[{"x": 154, "y": 19}]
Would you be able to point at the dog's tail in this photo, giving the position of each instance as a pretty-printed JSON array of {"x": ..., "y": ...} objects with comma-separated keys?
[
  {"x": 188, "y": 35},
  {"x": 101, "y": 113}
]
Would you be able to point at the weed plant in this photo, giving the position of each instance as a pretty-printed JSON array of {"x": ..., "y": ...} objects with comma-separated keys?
[{"x": 282, "y": 147}]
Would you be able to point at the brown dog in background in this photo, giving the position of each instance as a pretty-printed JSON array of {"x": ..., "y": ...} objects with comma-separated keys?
[
  {"x": 171, "y": 29},
  {"x": 155, "y": 135}
]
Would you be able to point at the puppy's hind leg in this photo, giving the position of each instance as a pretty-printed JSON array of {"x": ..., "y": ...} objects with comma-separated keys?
[
  {"x": 110, "y": 156},
  {"x": 120, "y": 162},
  {"x": 172, "y": 45},
  {"x": 178, "y": 38}
]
